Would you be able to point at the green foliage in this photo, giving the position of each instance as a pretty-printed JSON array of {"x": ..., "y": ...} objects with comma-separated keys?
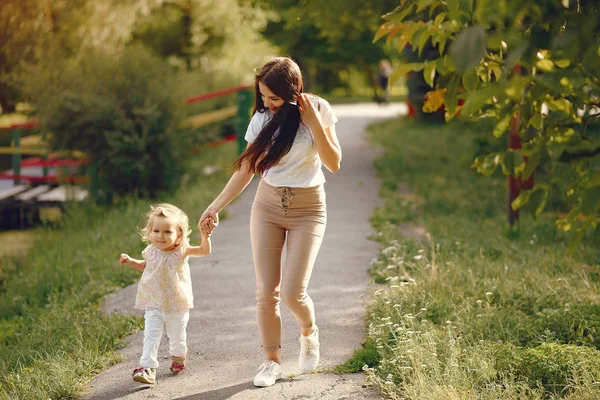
[
  {"x": 120, "y": 109},
  {"x": 368, "y": 356},
  {"x": 329, "y": 37},
  {"x": 53, "y": 337},
  {"x": 551, "y": 365},
  {"x": 23, "y": 31},
  {"x": 167, "y": 31},
  {"x": 190, "y": 35},
  {"x": 32, "y": 29},
  {"x": 222, "y": 39},
  {"x": 472, "y": 313},
  {"x": 533, "y": 63}
]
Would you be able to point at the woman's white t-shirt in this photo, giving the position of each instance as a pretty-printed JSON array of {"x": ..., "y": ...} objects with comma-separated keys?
[{"x": 301, "y": 166}]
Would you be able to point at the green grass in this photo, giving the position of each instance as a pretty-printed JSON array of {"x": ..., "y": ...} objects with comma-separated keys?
[
  {"x": 368, "y": 356},
  {"x": 480, "y": 311},
  {"x": 53, "y": 337}
]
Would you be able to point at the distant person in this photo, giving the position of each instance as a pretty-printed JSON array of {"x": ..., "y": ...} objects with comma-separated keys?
[
  {"x": 383, "y": 78},
  {"x": 291, "y": 135},
  {"x": 165, "y": 288}
]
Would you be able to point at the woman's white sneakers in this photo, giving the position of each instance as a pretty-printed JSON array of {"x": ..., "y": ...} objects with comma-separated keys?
[
  {"x": 268, "y": 373},
  {"x": 309, "y": 351}
]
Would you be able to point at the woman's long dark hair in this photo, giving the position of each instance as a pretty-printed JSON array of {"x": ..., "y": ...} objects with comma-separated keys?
[{"x": 283, "y": 77}]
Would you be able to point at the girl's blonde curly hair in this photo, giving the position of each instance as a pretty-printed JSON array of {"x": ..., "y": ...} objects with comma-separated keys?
[{"x": 169, "y": 211}]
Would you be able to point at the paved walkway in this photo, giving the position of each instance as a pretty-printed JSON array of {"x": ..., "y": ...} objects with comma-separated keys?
[{"x": 223, "y": 341}]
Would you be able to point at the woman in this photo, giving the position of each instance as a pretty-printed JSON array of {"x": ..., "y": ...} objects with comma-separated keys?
[{"x": 291, "y": 135}]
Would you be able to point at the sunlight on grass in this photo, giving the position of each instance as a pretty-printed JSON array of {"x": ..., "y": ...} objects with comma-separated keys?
[
  {"x": 16, "y": 243},
  {"x": 53, "y": 335},
  {"x": 480, "y": 311}
]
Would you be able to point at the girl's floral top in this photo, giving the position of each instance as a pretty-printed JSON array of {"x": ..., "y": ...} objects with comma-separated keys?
[{"x": 166, "y": 284}]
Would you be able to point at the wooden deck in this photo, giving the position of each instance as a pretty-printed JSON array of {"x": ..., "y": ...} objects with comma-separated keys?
[
  {"x": 24, "y": 205},
  {"x": 45, "y": 194}
]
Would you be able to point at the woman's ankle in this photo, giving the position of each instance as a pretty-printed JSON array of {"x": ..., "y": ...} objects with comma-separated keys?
[
  {"x": 273, "y": 356},
  {"x": 306, "y": 331}
]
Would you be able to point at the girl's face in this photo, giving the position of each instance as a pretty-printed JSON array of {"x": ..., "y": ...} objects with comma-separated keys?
[
  {"x": 165, "y": 233},
  {"x": 270, "y": 99}
]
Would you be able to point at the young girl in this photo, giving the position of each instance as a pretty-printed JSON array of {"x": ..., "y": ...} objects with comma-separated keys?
[{"x": 165, "y": 289}]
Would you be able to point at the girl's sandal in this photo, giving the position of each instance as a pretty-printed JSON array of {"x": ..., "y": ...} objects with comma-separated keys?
[
  {"x": 177, "y": 367},
  {"x": 144, "y": 375}
]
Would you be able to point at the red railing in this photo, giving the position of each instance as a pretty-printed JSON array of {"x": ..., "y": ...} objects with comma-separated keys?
[
  {"x": 242, "y": 111},
  {"x": 218, "y": 93}
]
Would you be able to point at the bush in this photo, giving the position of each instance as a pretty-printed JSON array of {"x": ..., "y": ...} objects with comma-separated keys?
[{"x": 121, "y": 109}]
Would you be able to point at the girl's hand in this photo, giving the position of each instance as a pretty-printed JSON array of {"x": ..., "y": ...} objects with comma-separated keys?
[
  {"x": 308, "y": 112},
  {"x": 207, "y": 227},
  {"x": 124, "y": 259},
  {"x": 211, "y": 218}
]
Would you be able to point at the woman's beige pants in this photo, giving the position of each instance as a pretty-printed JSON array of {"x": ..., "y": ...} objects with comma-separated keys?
[{"x": 296, "y": 218}]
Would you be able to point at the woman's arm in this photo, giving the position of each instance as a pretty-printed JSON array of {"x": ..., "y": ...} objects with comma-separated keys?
[
  {"x": 237, "y": 183},
  {"x": 328, "y": 147},
  {"x": 326, "y": 140}
]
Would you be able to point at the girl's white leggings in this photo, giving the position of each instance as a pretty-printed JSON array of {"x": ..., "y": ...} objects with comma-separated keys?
[{"x": 155, "y": 321}]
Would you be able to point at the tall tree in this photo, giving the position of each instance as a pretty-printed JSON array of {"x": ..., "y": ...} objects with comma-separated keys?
[
  {"x": 531, "y": 66},
  {"x": 31, "y": 30},
  {"x": 217, "y": 37}
]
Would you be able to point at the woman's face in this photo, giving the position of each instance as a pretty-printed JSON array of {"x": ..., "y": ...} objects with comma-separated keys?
[{"x": 270, "y": 99}]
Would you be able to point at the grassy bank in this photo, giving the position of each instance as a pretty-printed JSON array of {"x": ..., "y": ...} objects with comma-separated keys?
[
  {"x": 477, "y": 311},
  {"x": 53, "y": 337}
]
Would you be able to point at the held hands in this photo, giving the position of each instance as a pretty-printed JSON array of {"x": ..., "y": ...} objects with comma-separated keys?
[
  {"x": 207, "y": 227},
  {"x": 210, "y": 219},
  {"x": 309, "y": 114}
]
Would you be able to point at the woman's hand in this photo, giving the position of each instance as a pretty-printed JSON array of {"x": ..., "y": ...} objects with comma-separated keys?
[
  {"x": 209, "y": 218},
  {"x": 308, "y": 112},
  {"x": 326, "y": 140}
]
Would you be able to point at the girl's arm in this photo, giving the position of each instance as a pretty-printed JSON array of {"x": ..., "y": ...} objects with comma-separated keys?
[
  {"x": 200, "y": 251},
  {"x": 326, "y": 140},
  {"x": 140, "y": 265},
  {"x": 237, "y": 183}
]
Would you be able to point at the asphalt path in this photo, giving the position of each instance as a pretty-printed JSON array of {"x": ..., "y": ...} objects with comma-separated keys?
[{"x": 223, "y": 341}]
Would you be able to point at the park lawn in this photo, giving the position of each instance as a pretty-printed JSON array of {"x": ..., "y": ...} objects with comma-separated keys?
[
  {"x": 53, "y": 337},
  {"x": 479, "y": 311}
]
